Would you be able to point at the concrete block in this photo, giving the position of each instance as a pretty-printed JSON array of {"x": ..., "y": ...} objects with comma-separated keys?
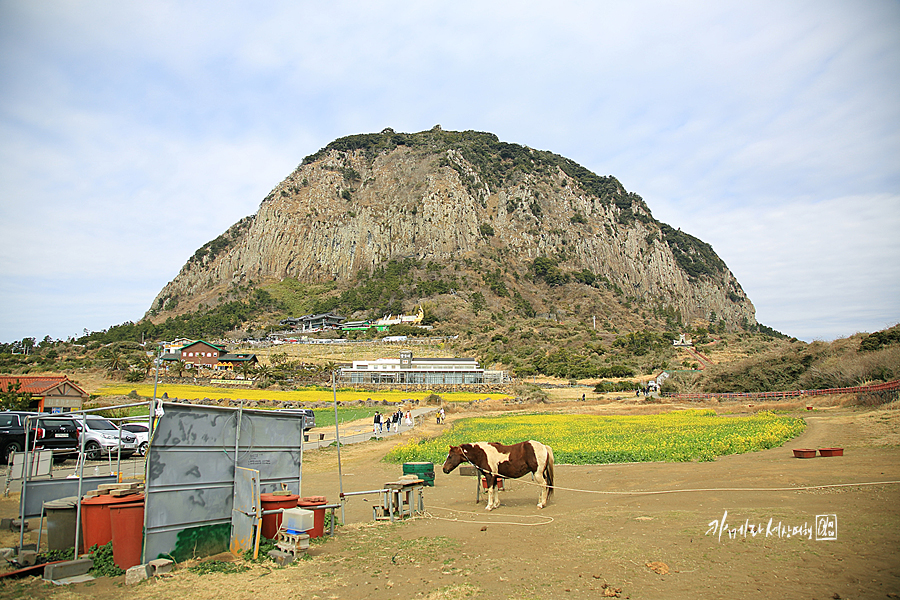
[
  {"x": 161, "y": 566},
  {"x": 467, "y": 471},
  {"x": 70, "y": 568},
  {"x": 137, "y": 574},
  {"x": 6, "y": 553},
  {"x": 282, "y": 558},
  {"x": 12, "y": 524},
  {"x": 26, "y": 558}
]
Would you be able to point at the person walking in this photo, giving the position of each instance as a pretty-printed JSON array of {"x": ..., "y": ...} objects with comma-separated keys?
[
  {"x": 408, "y": 418},
  {"x": 442, "y": 415},
  {"x": 377, "y": 422}
]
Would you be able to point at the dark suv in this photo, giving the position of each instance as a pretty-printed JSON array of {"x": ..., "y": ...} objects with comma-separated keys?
[{"x": 46, "y": 432}]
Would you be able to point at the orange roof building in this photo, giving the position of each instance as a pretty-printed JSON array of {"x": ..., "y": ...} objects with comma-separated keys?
[{"x": 52, "y": 393}]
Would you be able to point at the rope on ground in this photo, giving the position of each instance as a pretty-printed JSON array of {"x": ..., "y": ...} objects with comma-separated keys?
[
  {"x": 545, "y": 520},
  {"x": 773, "y": 489},
  {"x": 676, "y": 491}
]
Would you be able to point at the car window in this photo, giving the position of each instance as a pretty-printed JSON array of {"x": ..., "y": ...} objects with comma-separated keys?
[
  {"x": 9, "y": 420},
  {"x": 101, "y": 424},
  {"x": 54, "y": 422},
  {"x": 135, "y": 428}
]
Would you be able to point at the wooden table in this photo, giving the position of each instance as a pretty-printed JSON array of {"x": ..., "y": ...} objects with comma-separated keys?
[{"x": 401, "y": 499}]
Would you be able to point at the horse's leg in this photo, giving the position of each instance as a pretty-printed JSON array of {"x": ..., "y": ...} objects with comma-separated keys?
[
  {"x": 491, "y": 491},
  {"x": 545, "y": 489}
]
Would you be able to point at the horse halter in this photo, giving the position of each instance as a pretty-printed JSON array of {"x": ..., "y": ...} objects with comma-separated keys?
[{"x": 468, "y": 460}]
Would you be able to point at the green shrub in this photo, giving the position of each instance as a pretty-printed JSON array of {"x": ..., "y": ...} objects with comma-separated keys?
[
  {"x": 694, "y": 256},
  {"x": 433, "y": 399},
  {"x": 104, "y": 564},
  {"x": 880, "y": 339},
  {"x": 545, "y": 268},
  {"x": 531, "y": 393},
  {"x": 478, "y": 303}
]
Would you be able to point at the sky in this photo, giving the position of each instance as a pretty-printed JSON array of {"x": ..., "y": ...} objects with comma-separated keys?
[{"x": 133, "y": 133}]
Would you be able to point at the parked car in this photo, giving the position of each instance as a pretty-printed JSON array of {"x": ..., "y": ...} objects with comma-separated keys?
[
  {"x": 103, "y": 437},
  {"x": 46, "y": 432},
  {"x": 142, "y": 433}
]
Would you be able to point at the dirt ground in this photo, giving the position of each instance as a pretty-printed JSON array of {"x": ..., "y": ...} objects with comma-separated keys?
[{"x": 602, "y": 535}]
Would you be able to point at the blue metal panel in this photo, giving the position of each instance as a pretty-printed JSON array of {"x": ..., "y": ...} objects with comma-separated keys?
[{"x": 38, "y": 491}]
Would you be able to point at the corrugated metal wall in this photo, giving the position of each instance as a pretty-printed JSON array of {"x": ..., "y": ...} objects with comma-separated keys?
[{"x": 190, "y": 473}]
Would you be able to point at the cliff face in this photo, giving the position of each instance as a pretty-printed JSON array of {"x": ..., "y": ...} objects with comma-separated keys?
[{"x": 441, "y": 196}]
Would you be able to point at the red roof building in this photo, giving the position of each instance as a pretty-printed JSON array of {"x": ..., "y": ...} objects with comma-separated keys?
[
  {"x": 201, "y": 354},
  {"x": 52, "y": 393}
]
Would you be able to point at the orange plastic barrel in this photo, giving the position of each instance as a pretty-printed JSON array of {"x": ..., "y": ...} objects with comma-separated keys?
[
  {"x": 310, "y": 503},
  {"x": 95, "y": 521},
  {"x": 271, "y": 523},
  {"x": 127, "y": 524}
]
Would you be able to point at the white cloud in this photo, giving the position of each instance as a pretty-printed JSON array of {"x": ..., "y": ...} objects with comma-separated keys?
[{"x": 813, "y": 268}]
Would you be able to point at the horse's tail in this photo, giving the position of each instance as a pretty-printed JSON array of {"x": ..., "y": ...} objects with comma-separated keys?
[{"x": 548, "y": 470}]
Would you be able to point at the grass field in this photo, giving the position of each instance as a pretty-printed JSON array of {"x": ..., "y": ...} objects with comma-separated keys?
[
  {"x": 193, "y": 392},
  {"x": 325, "y": 416},
  {"x": 586, "y": 439}
]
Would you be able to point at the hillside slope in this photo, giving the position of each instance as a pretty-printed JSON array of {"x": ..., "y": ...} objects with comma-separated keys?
[{"x": 455, "y": 199}]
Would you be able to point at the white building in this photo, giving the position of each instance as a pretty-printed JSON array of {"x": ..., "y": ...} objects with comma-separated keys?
[{"x": 429, "y": 371}]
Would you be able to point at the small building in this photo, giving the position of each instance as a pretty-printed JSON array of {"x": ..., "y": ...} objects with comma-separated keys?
[
  {"x": 175, "y": 345},
  {"x": 171, "y": 356},
  {"x": 230, "y": 362},
  {"x": 362, "y": 326},
  {"x": 50, "y": 393},
  {"x": 389, "y": 320},
  {"x": 314, "y": 322},
  {"x": 201, "y": 354},
  {"x": 428, "y": 371},
  {"x": 682, "y": 342}
]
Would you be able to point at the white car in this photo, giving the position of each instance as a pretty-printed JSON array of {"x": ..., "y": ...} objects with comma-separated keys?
[
  {"x": 103, "y": 437},
  {"x": 142, "y": 433}
]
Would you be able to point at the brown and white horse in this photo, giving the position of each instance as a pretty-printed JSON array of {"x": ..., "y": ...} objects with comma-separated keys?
[{"x": 493, "y": 459}]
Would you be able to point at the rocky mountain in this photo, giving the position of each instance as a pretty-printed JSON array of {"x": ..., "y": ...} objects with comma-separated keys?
[{"x": 445, "y": 197}]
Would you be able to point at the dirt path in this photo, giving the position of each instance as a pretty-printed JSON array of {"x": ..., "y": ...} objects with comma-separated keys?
[{"x": 598, "y": 537}]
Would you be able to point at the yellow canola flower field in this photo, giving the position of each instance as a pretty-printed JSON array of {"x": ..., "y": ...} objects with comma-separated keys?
[
  {"x": 310, "y": 394},
  {"x": 588, "y": 439}
]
